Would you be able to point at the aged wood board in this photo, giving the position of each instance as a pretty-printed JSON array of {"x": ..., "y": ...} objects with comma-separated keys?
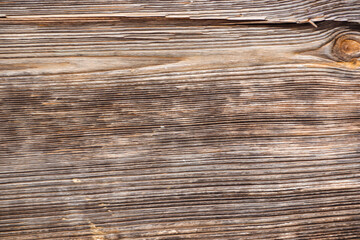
[
  {"x": 179, "y": 120},
  {"x": 270, "y": 10}
]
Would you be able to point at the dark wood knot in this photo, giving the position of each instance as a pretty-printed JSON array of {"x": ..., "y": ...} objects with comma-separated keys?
[{"x": 347, "y": 48}]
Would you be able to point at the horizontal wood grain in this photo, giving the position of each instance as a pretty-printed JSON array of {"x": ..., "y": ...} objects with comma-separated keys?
[
  {"x": 269, "y": 10},
  {"x": 155, "y": 128}
]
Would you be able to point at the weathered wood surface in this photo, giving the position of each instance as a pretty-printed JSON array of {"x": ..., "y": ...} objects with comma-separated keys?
[
  {"x": 151, "y": 128},
  {"x": 269, "y": 10}
]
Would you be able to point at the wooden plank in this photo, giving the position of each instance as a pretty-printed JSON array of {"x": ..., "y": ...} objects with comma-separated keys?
[
  {"x": 271, "y": 10},
  {"x": 151, "y": 128}
]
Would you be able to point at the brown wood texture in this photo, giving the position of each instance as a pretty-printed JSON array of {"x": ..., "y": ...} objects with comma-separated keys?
[
  {"x": 157, "y": 128},
  {"x": 269, "y": 10}
]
